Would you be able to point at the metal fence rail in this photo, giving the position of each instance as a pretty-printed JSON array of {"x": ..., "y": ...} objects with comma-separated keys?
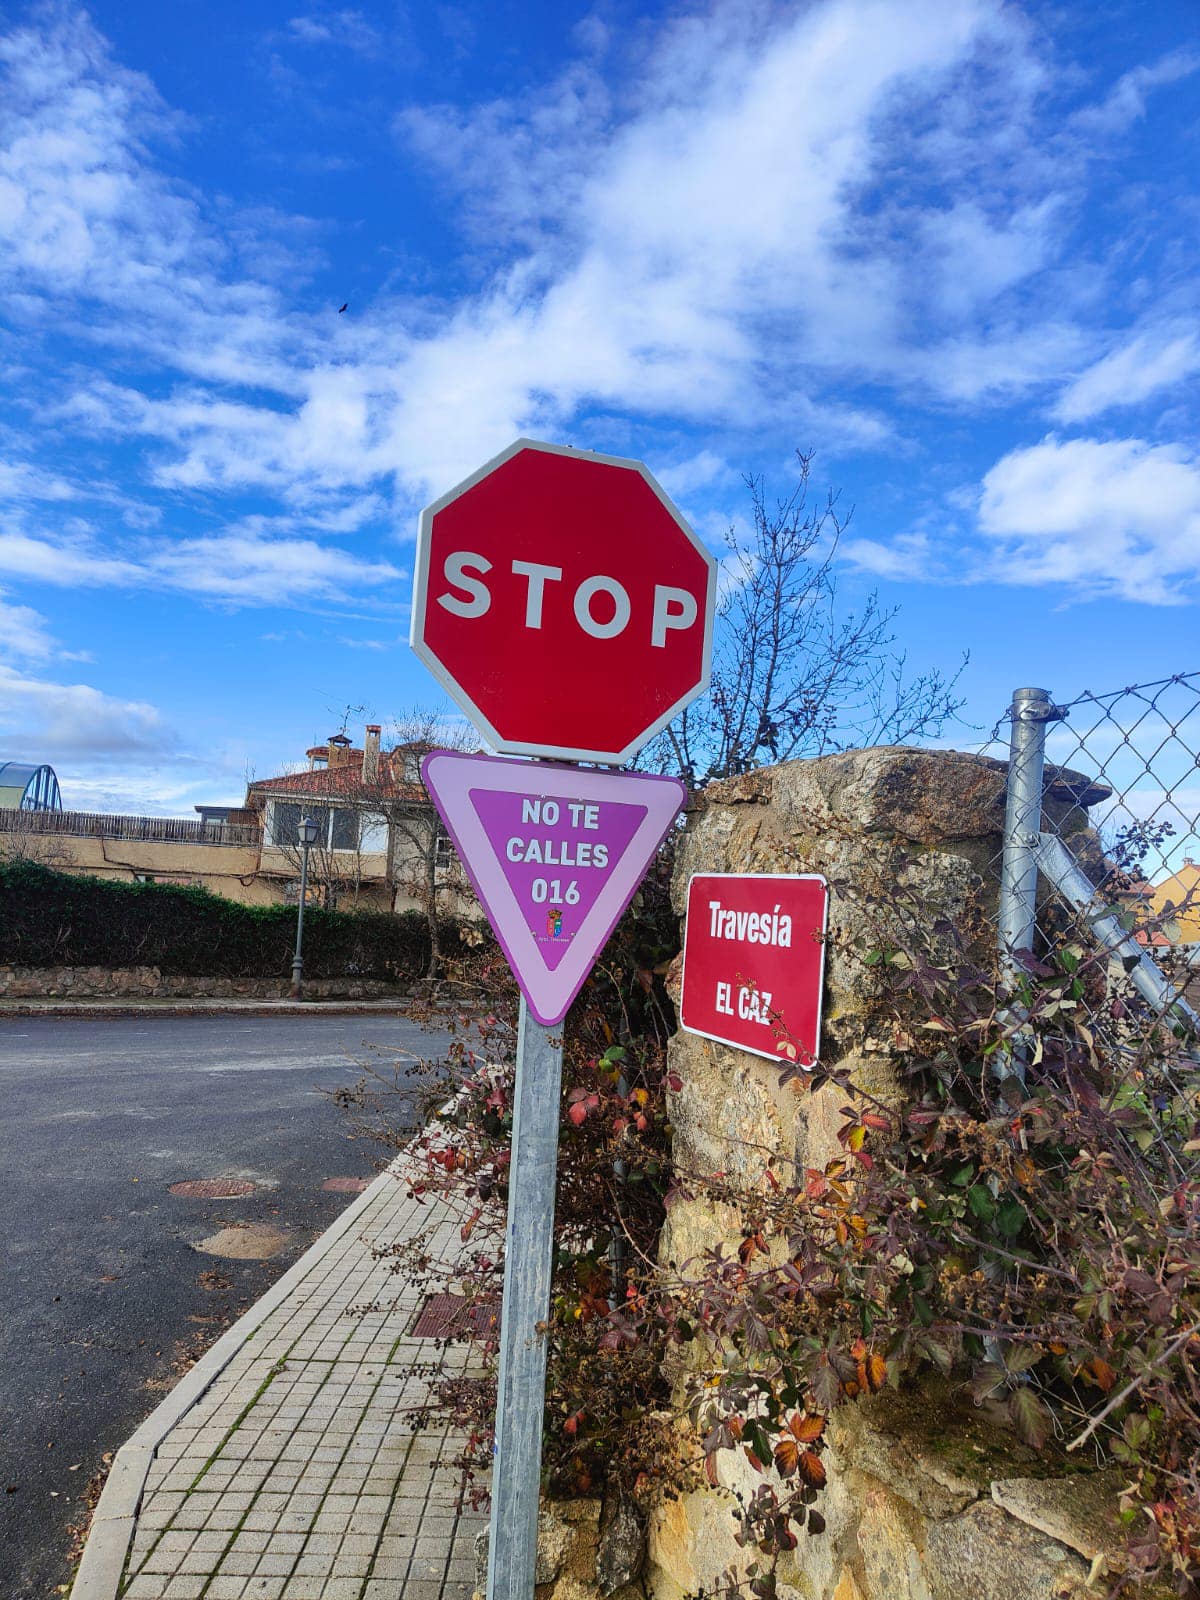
[{"x": 99, "y": 825}]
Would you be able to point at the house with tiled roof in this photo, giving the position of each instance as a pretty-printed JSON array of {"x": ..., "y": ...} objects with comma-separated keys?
[
  {"x": 377, "y": 830},
  {"x": 380, "y": 844}
]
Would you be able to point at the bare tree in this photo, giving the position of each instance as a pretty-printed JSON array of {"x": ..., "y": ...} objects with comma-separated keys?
[
  {"x": 793, "y": 673},
  {"x": 422, "y": 860},
  {"x": 33, "y": 836},
  {"x": 335, "y": 872}
]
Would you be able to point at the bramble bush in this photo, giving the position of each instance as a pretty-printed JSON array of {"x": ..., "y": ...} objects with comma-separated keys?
[{"x": 1020, "y": 1218}]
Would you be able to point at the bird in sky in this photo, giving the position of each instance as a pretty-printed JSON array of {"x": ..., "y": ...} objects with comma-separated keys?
[{"x": 342, "y": 308}]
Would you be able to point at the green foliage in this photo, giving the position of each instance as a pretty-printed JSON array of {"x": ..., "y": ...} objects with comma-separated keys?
[{"x": 55, "y": 919}]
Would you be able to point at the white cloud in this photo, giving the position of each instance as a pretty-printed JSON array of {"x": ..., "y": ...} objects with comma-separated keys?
[
  {"x": 23, "y": 632},
  {"x": 49, "y": 721},
  {"x": 1150, "y": 361},
  {"x": 1117, "y": 517},
  {"x": 259, "y": 561},
  {"x": 698, "y": 246},
  {"x": 347, "y": 28},
  {"x": 1125, "y": 103},
  {"x": 239, "y": 567},
  {"x": 778, "y": 203},
  {"x": 908, "y": 557}
]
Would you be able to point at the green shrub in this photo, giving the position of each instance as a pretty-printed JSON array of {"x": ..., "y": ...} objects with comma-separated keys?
[{"x": 55, "y": 919}]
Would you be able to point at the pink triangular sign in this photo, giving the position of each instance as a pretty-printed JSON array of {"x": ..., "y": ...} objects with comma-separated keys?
[{"x": 555, "y": 854}]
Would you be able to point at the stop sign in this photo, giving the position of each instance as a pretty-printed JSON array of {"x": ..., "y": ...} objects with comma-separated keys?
[{"x": 564, "y": 602}]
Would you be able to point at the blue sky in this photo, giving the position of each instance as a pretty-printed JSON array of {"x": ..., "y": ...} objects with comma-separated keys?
[{"x": 950, "y": 247}]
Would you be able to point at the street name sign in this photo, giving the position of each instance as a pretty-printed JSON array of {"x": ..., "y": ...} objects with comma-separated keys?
[
  {"x": 555, "y": 854},
  {"x": 754, "y": 961},
  {"x": 564, "y": 602}
]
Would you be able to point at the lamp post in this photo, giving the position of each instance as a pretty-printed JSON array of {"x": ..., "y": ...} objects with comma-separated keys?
[{"x": 307, "y": 833}]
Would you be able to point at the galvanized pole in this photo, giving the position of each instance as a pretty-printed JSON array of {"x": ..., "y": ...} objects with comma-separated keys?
[
  {"x": 529, "y": 1246},
  {"x": 1017, "y": 921},
  {"x": 298, "y": 958},
  {"x": 1030, "y": 712}
]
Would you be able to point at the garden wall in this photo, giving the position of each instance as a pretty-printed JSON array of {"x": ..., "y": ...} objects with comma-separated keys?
[
  {"x": 148, "y": 983},
  {"x": 923, "y": 1501}
]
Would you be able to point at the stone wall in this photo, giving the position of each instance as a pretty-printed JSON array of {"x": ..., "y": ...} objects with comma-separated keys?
[
  {"x": 148, "y": 983},
  {"x": 922, "y": 1503}
]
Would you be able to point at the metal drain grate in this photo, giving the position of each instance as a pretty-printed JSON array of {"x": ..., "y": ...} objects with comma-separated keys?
[
  {"x": 213, "y": 1188},
  {"x": 450, "y": 1316}
]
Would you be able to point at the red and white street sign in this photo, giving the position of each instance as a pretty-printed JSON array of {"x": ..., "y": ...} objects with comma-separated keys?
[
  {"x": 754, "y": 961},
  {"x": 554, "y": 854},
  {"x": 564, "y": 602}
]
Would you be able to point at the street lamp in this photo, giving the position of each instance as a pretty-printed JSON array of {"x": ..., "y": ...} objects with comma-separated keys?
[{"x": 307, "y": 833}]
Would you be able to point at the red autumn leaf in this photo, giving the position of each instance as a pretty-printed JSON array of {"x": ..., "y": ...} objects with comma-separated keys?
[
  {"x": 468, "y": 1226},
  {"x": 876, "y": 1372},
  {"x": 674, "y": 1082},
  {"x": 807, "y": 1429},
  {"x": 812, "y": 1469},
  {"x": 872, "y": 1119},
  {"x": 787, "y": 1457},
  {"x": 577, "y": 1113}
]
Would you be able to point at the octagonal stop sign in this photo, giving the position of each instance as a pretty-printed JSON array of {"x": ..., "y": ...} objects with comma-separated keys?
[{"x": 564, "y": 602}]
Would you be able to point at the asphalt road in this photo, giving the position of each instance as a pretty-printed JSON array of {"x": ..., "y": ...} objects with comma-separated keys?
[{"x": 105, "y": 1298}]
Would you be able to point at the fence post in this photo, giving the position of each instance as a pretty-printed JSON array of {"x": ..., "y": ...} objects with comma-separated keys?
[{"x": 1017, "y": 922}]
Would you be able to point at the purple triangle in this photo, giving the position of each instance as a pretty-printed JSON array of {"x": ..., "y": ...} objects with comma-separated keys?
[
  {"x": 556, "y": 894},
  {"x": 555, "y": 854}
]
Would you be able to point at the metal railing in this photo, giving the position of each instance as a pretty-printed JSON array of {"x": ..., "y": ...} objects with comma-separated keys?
[{"x": 102, "y": 825}]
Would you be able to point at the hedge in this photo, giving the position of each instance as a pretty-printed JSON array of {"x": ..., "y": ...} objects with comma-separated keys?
[{"x": 55, "y": 919}]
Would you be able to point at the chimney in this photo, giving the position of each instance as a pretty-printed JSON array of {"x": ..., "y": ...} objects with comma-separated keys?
[
  {"x": 370, "y": 761},
  {"x": 339, "y": 747}
]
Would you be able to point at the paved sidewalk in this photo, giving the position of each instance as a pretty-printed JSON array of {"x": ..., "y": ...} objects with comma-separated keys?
[{"x": 283, "y": 1467}]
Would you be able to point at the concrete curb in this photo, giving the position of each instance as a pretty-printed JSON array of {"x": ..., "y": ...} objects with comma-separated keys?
[
  {"x": 104, "y": 1009},
  {"x": 103, "y": 1563}
]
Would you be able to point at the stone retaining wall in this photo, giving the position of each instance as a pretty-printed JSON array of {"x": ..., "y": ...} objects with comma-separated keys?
[{"x": 148, "y": 983}]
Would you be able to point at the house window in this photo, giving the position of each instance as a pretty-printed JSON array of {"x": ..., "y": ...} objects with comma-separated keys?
[
  {"x": 337, "y": 826},
  {"x": 443, "y": 849}
]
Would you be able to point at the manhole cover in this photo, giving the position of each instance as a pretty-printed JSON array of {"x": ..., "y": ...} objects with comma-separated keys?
[
  {"x": 213, "y": 1188},
  {"x": 346, "y": 1185},
  {"x": 449, "y": 1316}
]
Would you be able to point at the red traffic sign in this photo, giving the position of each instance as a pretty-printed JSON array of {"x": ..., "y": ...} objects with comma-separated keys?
[
  {"x": 554, "y": 855},
  {"x": 564, "y": 602},
  {"x": 754, "y": 962}
]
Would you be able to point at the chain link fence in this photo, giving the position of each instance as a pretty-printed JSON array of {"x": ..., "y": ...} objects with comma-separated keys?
[{"x": 1101, "y": 864}]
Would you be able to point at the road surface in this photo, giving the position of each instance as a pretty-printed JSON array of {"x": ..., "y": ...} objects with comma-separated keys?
[{"x": 106, "y": 1298}]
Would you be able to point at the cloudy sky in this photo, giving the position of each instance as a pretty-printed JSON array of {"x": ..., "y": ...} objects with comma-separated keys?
[{"x": 951, "y": 246}]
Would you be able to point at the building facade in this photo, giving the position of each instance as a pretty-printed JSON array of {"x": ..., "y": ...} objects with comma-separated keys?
[{"x": 380, "y": 843}]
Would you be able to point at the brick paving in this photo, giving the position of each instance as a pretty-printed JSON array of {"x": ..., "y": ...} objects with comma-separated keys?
[{"x": 297, "y": 1475}]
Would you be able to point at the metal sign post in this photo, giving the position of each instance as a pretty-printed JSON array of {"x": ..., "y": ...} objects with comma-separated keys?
[
  {"x": 513, "y": 617},
  {"x": 529, "y": 1248}
]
